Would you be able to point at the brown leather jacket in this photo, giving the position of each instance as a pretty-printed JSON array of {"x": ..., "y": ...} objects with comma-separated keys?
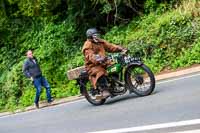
[{"x": 93, "y": 67}]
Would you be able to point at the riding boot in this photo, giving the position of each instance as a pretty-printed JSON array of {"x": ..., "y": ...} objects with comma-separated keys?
[{"x": 103, "y": 86}]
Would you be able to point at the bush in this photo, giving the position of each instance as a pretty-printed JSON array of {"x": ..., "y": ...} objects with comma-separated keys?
[
  {"x": 54, "y": 47},
  {"x": 165, "y": 37},
  {"x": 161, "y": 40}
]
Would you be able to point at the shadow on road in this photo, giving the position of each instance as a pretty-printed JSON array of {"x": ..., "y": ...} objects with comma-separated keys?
[{"x": 125, "y": 97}]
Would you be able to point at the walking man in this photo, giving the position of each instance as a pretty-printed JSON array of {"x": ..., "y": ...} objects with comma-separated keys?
[{"x": 31, "y": 70}]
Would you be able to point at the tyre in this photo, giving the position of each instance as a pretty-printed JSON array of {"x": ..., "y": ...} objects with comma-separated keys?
[
  {"x": 140, "y": 80},
  {"x": 90, "y": 95}
]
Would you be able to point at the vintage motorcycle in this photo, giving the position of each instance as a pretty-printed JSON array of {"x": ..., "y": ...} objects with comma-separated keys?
[{"x": 125, "y": 74}]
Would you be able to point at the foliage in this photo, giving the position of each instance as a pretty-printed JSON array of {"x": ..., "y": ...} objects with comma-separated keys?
[
  {"x": 161, "y": 39},
  {"x": 188, "y": 57},
  {"x": 165, "y": 33}
]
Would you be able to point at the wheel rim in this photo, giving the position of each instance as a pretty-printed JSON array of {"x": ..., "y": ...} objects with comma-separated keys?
[{"x": 140, "y": 80}]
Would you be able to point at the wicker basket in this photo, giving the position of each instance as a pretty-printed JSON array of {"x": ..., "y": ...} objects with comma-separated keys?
[{"x": 75, "y": 73}]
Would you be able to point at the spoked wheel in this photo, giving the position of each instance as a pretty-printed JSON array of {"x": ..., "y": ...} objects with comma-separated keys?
[
  {"x": 91, "y": 93},
  {"x": 140, "y": 80}
]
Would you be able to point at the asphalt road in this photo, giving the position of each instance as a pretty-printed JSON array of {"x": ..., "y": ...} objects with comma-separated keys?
[{"x": 174, "y": 101}]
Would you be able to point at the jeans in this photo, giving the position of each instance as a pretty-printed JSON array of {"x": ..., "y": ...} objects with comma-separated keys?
[{"x": 38, "y": 83}]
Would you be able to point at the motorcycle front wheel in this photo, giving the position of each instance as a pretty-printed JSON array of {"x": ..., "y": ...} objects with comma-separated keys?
[{"x": 140, "y": 80}]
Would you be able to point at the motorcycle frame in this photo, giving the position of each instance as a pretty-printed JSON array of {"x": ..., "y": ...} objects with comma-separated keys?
[{"x": 83, "y": 79}]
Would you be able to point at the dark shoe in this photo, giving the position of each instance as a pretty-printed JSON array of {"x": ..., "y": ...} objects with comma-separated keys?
[
  {"x": 51, "y": 100},
  {"x": 94, "y": 91},
  {"x": 37, "y": 105}
]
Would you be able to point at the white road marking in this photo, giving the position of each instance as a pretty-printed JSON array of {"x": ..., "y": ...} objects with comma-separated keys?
[
  {"x": 190, "y": 131},
  {"x": 152, "y": 127}
]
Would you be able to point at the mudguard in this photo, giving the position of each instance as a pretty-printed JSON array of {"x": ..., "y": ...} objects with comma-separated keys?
[
  {"x": 133, "y": 64},
  {"x": 82, "y": 81},
  {"x": 139, "y": 63}
]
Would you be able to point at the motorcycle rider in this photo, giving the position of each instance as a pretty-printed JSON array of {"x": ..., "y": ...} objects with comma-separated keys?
[{"x": 94, "y": 51}]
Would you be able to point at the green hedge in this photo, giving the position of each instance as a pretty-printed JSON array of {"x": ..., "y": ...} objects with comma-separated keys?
[
  {"x": 165, "y": 36},
  {"x": 169, "y": 40}
]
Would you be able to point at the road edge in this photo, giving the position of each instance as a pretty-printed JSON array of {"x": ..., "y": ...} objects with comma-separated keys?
[{"x": 168, "y": 75}]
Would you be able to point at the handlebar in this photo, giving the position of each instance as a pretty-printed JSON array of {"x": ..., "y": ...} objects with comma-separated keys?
[
  {"x": 124, "y": 52},
  {"x": 101, "y": 60}
]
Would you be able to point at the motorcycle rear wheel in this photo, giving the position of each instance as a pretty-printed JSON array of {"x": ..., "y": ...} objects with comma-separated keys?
[{"x": 91, "y": 97}]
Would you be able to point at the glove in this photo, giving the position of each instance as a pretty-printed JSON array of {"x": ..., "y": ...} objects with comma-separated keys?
[
  {"x": 99, "y": 58},
  {"x": 124, "y": 51}
]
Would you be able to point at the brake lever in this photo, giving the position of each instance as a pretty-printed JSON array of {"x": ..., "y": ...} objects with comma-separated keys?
[{"x": 124, "y": 52}]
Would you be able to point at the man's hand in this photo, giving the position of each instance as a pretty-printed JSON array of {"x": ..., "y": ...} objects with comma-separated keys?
[
  {"x": 124, "y": 51},
  {"x": 99, "y": 58},
  {"x": 31, "y": 78}
]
